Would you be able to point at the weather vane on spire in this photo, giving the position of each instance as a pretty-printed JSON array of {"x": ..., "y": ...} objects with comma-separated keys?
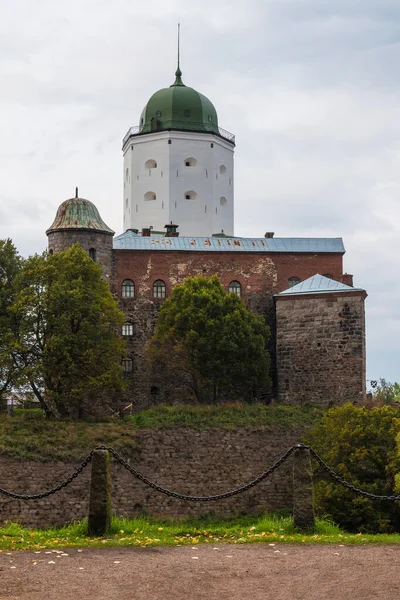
[{"x": 179, "y": 35}]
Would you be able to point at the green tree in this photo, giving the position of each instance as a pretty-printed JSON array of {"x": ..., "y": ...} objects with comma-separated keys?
[
  {"x": 10, "y": 265},
  {"x": 387, "y": 392},
  {"x": 210, "y": 340},
  {"x": 67, "y": 343},
  {"x": 358, "y": 443}
]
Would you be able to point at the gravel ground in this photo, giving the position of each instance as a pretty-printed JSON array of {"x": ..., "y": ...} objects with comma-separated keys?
[{"x": 248, "y": 571}]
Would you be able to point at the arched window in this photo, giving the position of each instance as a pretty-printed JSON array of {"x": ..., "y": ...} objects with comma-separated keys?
[
  {"x": 190, "y": 195},
  {"x": 51, "y": 251},
  {"x": 150, "y": 164},
  {"x": 128, "y": 288},
  {"x": 222, "y": 169},
  {"x": 235, "y": 288},
  {"x": 293, "y": 281},
  {"x": 190, "y": 162},
  {"x": 127, "y": 365},
  {"x": 127, "y": 174},
  {"x": 127, "y": 329},
  {"x": 327, "y": 275},
  {"x": 223, "y": 201},
  {"x": 92, "y": 254},
  {"x": 150, "y": 196},
  {"x": 159, "y": 289}
]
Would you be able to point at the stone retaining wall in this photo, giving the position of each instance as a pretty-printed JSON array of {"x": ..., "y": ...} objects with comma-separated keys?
[{"x": 183, "y": 460}]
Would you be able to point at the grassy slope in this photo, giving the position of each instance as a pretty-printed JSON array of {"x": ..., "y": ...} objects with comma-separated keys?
[{"x": 37, "y": 439}]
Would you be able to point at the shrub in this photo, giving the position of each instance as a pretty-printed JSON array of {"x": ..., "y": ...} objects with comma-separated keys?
[{"x": 360, "y": 445}]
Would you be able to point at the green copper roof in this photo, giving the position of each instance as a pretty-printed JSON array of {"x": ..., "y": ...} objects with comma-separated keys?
[
  {"x": 78, "y": 213},
  {"x": 179, "y": 107}
]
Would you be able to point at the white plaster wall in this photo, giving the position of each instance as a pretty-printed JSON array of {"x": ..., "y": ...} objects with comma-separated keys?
[{"x": 201, "y": 216}]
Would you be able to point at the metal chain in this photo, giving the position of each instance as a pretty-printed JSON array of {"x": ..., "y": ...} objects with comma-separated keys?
[
  {"x": 343, "y": 482},
  {"x": 163, "y": 490},
  {"x": 59, "y": 487}
]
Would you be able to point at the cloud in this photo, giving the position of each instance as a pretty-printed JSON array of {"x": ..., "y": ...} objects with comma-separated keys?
[{"x": 309, "y": 87}]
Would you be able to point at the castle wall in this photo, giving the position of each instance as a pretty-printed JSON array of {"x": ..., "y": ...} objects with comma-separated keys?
[
  {"x": 320, "y": 348},
  {"x": 260, "y": 275},
  {"x": 183, "y": 460},
  {"x": 101, "y": 242}
]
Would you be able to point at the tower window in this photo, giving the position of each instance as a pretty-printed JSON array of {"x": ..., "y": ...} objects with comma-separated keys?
[
  {"x": 159, "y": 289},
  {"x": 292, "y": 281},
  {"x": 127, "y": 365},
  {"x": 169, "y": 141},
  {"x": 158, "y": 114},
  {"x": 127, "y": 329},
  {"x": 190, "y": 162},
  {"x": 190, "y": 195},
  {"x": 223, "y": 201},
  {"x": 51, "y": 252},
  {"x": 212, "y": 145},
  {"x": 127, "y": 174},
  {"x": 128, "y": 288},
  {"x": 92, "y": 254},
  {"x": 150, "y": 164},
  {"x": 235, "y": 288},
  {"x": 186, "y": 113},
  {"x": 222, "y": 169},
  {"x": 150, "y": 196}
]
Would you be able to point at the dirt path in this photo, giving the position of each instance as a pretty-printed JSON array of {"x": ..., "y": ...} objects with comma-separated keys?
[{"x": 254, "y": 572}]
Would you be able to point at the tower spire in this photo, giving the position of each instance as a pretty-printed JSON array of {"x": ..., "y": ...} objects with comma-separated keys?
[{"x": 178, "y": 72}]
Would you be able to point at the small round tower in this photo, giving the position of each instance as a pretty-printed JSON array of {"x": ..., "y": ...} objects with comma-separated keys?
[{"x": 78, "y": 220}]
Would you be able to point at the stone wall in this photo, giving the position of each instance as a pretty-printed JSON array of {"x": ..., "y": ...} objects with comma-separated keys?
[
  {"x": 321, "y": 348},
  {"x": 184, "y": 460},
  {"x": 101, "y": 242},
  {"x": 260, "y": 275}
]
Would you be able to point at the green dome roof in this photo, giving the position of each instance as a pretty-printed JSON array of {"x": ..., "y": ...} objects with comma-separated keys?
[
  {"x": 178, "y": 107},
  {"x": 78, "y": 213}
]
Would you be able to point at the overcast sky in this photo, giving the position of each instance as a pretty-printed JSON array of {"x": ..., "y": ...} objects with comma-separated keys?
[{"x": 309, "y": 87}]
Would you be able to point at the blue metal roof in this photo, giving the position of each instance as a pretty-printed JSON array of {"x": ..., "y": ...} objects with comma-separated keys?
[
  {"x": 318, "y": 284},
  {"x": 132, "y": 241}
]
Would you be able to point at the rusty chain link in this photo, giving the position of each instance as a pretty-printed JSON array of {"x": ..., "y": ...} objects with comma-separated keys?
[
  {"x": 234, "y": 492},
  {"x": 163, "y": 490},
  {"x": 343, "y": 482},
  {"x": 53, "y": 490}
]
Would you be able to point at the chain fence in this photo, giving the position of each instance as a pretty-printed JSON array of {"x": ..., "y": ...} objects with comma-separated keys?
[{"x": 209, "y": 498}]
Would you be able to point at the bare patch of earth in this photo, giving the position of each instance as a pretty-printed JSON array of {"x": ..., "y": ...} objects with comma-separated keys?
[{"x": 234, "y": 572}]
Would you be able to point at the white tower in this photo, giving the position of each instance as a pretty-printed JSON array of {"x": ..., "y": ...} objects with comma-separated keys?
[{"x": 178, "y": 166}]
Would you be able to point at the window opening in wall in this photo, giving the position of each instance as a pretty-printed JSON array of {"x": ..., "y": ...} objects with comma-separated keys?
[
  {"x": 127, "y": 175},
  {"x": 190, "y": 195},
  {"x": 186, "y": 113},
  {"x": 150, "y": 164},
  {"x": 212, "y": 145},
  {"x": 51, "y": 251},
  {"x": 92, "y": 254},
  {"x": 190, "y": 162},
  {"x": 169, "y": 141},
  {"x": 150, "y": 196},
  {"x": 162, "y": 204},
  {"x": 223, "y": 201},
  {"x": 175, "y": 203},
  {"x": 222, "y": 169},
  {"x": 206, "y": 174},
  {"x": 126, "y": 202},
  {"x": 216, "y": 210},
  {"x": 327, "y": 275},
  {"x": 154, "y": 390},
  {"x": 128, "y": 288},
  {"x": 127, "y": 329},
  {"x": 159, "y": 289},
  {"x": 205, "y": 208},
  {"x": 127, "y": 365},
  {"x": 235, "y": 288},
  {"x": 137, "y": 208},
  {"x": 292, "y": 281}
]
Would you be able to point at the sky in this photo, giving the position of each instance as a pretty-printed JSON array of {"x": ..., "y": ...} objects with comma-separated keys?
[{"x": 309, "y": 87}]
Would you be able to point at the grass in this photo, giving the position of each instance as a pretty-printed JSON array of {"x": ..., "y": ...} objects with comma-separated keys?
[
  {"x": 28, "y": 437},
  {"x": 146, "y": 532}
]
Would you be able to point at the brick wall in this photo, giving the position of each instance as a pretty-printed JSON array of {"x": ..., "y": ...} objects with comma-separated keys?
[
  {"x": 320, "y": 348},
  {"x": 184, "y": 460}
]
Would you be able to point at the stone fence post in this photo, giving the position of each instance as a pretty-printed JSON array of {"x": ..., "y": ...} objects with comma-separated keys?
[
  {"x": 99, "y": 521},
  {"x": 303, "y": 502}
]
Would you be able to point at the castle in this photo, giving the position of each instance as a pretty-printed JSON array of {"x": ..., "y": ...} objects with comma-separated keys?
[{"x": 178, "y": 215}]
